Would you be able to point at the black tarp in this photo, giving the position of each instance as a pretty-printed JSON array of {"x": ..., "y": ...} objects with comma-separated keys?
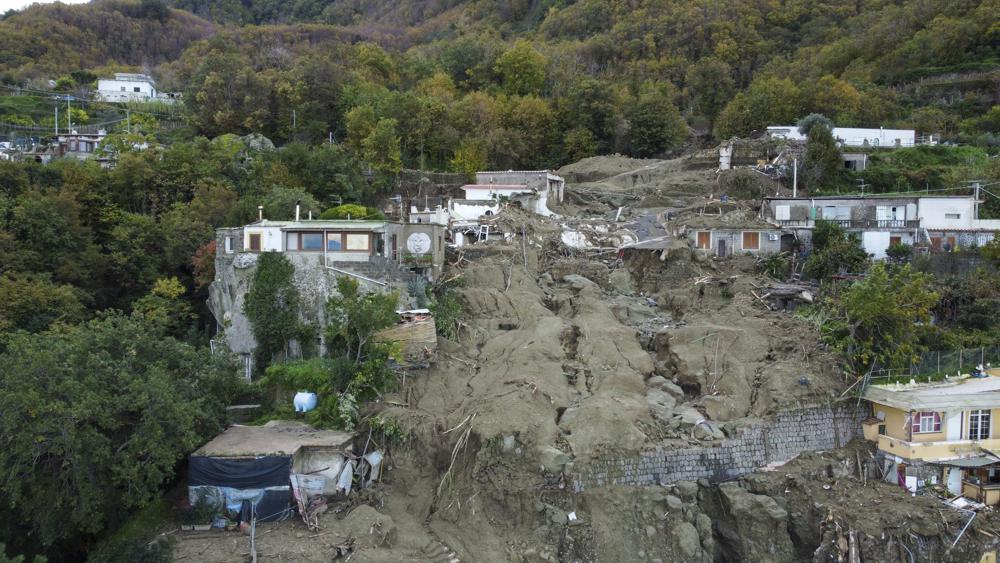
[
  {"x": 240, "y": 473},
  {"x": 248, "y": 474}
]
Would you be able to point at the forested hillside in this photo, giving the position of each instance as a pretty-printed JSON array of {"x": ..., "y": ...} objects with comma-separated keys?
[{"x": 462, "y": 85}]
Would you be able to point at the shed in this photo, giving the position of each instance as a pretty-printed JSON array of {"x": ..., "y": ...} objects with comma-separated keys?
[{"x": 256, "y": 463}]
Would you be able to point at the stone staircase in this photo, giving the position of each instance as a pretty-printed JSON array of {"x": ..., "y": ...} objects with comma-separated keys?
[{"x": 379, "y": 268}]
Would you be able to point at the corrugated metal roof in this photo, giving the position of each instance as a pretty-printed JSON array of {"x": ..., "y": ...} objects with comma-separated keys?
[{"x": 980, "y": 461}]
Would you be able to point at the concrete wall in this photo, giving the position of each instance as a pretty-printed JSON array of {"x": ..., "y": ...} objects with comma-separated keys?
[
  {"x": 734, "y": 240},
  {"x": 933, "y": 211},
  {"x": 779, "y": 440},
  {"x": 111, "y": 89}
]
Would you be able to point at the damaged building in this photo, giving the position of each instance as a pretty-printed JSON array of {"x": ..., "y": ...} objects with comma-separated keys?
[{"x": 944, "y": 432}]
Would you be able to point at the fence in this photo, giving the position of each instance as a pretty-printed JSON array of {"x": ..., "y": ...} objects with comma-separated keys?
[{"x": 941, "y": 362}]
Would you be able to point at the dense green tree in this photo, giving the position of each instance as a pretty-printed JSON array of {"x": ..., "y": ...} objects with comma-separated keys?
[
  {"x": 521, "y": 69},
  {"x": 381, "y": 147},
  {"x": 164, "y": 308},
  {"x": 95, "y": 417},
  {"x": 32, "y": 302},
  {"x": 709, "y": 84},
  {"x": 822, "y": 163},
  {"x": 272, "y": 306},
  {"x": 881, "y": 314},
  {"x": 834, "y": 251},
  {"x": 655, "y": 125}
]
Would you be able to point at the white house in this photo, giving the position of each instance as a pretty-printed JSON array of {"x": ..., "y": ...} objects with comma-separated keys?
[
  {"x": 942, "y": 222},
  {"x": 853, "y": 136},
  {"x": 126, "y": 87}
]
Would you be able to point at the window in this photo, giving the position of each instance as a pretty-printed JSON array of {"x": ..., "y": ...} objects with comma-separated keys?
[
  {"x": 952, "y": 215},
  {"x": 751, "y": 240},
  {"x": 123, "y": 88},
  {"x": 334, "y": 241},
  {"x": 704, "y": 240},
  {"x": 291, "y": 241},
  {"x": 229, "y": 245},
  {"x": 893, "y": 241},
  {"x": 926, "y": 422},
  {"x": 783, "y": 212},
  {"x": 356, "y": 241},
  {"x": 135, "y": 88},
  {"x": 979, "y": 425},
  {"x": 254, "y": 242},
  {"x": 312, "y": 241}
]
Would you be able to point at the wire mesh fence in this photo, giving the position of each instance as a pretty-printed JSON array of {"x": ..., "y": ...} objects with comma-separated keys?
[{"x": 939, "y": 363}]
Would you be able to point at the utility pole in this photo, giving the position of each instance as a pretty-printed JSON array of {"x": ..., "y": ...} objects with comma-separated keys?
[
  {"x": 57, "y": 120},
  {"x": 795, "y": 177},
  {"x": 976, "y": 184},
  {"x": 294, "y": 122},
  {"x": 128, "y": 120},
  {"x": 862, "y": 185},
  {"x": 69, "y": 116}
]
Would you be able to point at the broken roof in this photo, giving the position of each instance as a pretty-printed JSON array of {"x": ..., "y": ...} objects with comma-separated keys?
[
  {"x": 277, "y": 437},
  {"x": 956, "y": 393}
]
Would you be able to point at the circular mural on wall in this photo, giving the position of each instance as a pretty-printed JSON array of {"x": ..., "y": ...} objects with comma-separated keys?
[{"x": 418, "y": 243}]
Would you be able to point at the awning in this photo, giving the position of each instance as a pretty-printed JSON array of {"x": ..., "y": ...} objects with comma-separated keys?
[{"x": 970, "y": 461}]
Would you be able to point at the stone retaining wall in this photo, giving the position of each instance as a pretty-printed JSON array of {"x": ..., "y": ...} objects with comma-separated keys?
[{"x": 780, "y": 439}]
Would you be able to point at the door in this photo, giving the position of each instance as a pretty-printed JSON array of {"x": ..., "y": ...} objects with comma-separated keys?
[
  {"x": 954, "y": 480},
  {"x": 722, "y": 248},
  {"x": 953, "y": 426}
]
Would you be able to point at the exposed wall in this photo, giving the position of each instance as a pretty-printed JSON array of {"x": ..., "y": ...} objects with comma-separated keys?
[{"x": 781, "y": 439}]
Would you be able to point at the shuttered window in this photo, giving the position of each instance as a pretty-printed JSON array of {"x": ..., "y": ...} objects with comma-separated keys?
[
  {"x": 704, "y": 240},
  {"x": 751, "y": 240},
  {"x": 255, "y": 242},
  {"x": 926, "y": 422}
]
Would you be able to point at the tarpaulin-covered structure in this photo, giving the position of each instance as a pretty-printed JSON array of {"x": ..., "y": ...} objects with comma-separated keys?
[{"x": 255, "y": 464}]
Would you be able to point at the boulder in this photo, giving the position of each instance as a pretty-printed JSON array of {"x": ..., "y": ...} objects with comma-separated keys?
[
  {"x": 707, "y": 431},
  {"x": 675, "y": 504},
  {"x": 661, "y": 404},
  {"x": 687, "y": 541},
  {"x": 687, "y": 490},
  {"x": 723, "y": 407},
  {"x": 664, "y": 384},
  {"x": 621, "y": 281},
  {"x": 578, "y": 282},
  {"x": 552, "y": 459},
  {"x": 757, "y": 528}
]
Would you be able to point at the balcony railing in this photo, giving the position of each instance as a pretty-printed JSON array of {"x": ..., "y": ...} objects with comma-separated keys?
[{"x": 861, "y": 224}]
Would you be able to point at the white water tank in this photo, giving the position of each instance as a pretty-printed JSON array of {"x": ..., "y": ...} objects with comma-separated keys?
[{"x": 304, "y": 401}]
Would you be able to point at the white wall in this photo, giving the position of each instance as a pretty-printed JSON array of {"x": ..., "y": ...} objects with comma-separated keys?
[
  {"x": 480, "y": 194},
  {"x": 875, "y": 243},
  {"x": 463, "y": 211},
  {"x": 853, "y": 136},
  {"x": 933, "y": 211},
  {"x": 271, "y": 238},
  {"x": 110, "y": 89}
]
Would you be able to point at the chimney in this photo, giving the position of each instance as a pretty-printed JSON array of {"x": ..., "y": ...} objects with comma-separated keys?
[
  {"x": 297, "y": 208},
  {"x": 260, "y": 212}
]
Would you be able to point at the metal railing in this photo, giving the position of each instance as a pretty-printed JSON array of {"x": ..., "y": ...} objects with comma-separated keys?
[{"x": 855, "y": 223}]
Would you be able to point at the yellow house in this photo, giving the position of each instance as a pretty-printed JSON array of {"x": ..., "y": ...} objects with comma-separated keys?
[{"x": 947, "y": 430}]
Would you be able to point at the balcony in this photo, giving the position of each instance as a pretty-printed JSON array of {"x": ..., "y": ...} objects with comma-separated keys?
[
  {"x": 935, "y": 451},
  {"x": 856, "y": 224}
]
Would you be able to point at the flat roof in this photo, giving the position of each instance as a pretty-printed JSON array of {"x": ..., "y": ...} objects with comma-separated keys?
[
  {"x": 955, "y": 393},
  {"x": 496, "y": 187},
  {"x": 873, "y": 196},
  {"x": 347, "y": 224},
  {"x": 277, "y": 437}
]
